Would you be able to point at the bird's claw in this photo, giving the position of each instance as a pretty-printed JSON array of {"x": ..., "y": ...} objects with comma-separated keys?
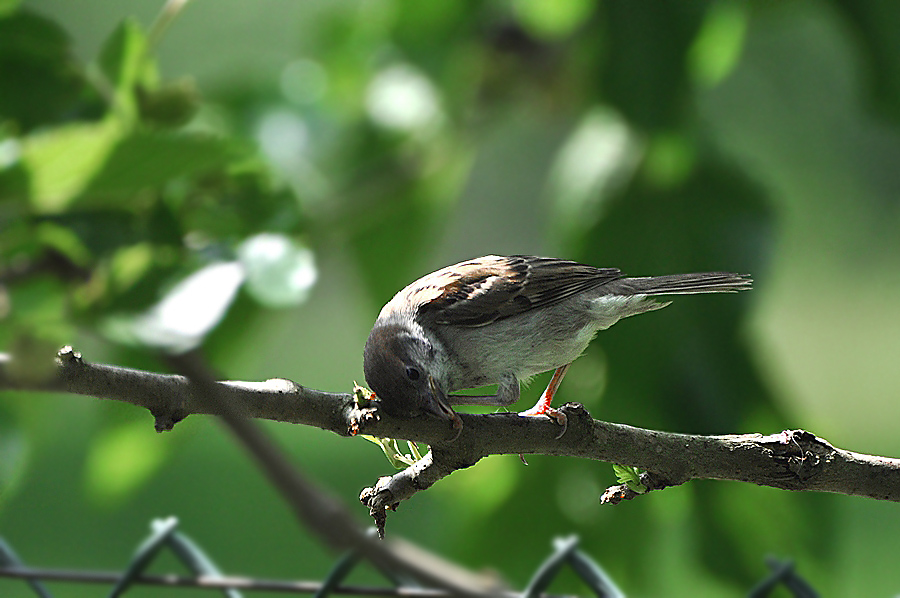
[
  {"x": 555, "y": 414},
  {"x": 457, "y": 425}
]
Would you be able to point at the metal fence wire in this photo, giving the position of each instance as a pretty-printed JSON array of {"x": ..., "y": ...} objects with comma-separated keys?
[{"x": 207, "y": 576}]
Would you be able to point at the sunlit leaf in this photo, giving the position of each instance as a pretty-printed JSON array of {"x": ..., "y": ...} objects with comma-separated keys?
[
  {"x": 279, "y": 272},
  {"x": 718, "y": 46},
  {"x": 599, "y": 156},
  {"x": 188, "y": 312},
  {"x": 669, "y": 160},
  {"x": 122, "y": 60},
  {"x": 400, "y": 98},
  {"x": 95, "y": 160},
  {"x": 489, "y": 485},
  {"x": 149, "y": 159},
  {"x": 630, "y": 476},
  {"x": 8, "y": 6},
  {"x": 64, "y": 240},
  {"x": 414, "y": 450},
  {"x": 553, "y": 19},
  {"x": 391, "y": 449},
  {"x": 62, "y": 161},
  {"x": 130, "y": 264},
  {"x": 121, "y": 459}
]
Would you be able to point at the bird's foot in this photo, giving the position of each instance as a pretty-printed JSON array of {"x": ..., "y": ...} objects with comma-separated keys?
[
  {"x": 554, "y": 414},
  {"x": 542, "y": 407}
]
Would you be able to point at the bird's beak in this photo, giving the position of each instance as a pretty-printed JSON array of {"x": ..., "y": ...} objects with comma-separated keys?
[{"x": 435, "y": 402}]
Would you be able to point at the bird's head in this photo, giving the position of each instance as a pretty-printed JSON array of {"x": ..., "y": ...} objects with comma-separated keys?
[{"x": 401, "y": 367}]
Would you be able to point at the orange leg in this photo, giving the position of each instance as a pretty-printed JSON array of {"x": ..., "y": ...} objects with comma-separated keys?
[{"x": 542, "y": 407}]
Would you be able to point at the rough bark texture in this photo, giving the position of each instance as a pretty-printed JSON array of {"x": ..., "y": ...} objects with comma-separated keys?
[{"x": 792, "y": 460}]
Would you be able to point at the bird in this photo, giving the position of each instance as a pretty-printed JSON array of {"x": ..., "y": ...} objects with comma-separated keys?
[{"x": 501, "y": 320}]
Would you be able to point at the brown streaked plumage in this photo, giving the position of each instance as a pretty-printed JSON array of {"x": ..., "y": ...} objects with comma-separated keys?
[{"x": 499, "y": 319}]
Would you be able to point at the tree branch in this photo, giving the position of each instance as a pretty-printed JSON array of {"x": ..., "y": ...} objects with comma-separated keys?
[
  {"x": 792, "y": 460},
  {"x": 321, "y": 513}
]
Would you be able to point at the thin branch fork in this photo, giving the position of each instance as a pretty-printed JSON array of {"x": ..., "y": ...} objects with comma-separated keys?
[{"x": 792, "y": 460}]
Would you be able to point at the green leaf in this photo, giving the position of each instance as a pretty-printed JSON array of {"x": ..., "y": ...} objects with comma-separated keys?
[
  {"x": 414, "y": 450},
  {"x": 631, "y": 477},
  {"x": 552, "y": 20},
  {"x": 391, "y": 450},
  {"x": 122, "y": 60},
  {"x": 717, "y": 47},
  {"x": 169, "y": 105},
  {"x": 8, "y": 7},
  {"x": 61, "y": 162},
  {"x": 40, "y": 81},
  {"x": 149, "y": 159},
  {"x": 100, "y": 232},
  {"x": 63, "y": 240},
  {"x": 97, "y": 160},
  {"x": 362, "y": 396},
  {"x": 669, "y": 160}
]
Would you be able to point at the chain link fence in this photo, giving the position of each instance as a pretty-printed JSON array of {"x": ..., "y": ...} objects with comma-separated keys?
[{"x": 164, "y": 535}]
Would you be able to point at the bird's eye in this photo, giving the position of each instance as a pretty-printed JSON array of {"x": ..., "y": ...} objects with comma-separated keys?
[{"x": 412, "y": 373}]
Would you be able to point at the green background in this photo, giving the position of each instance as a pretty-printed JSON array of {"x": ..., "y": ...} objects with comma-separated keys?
[{"x": 390, "y": 138}]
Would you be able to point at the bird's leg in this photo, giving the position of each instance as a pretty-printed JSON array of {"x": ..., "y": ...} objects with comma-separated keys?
[
  {"x": 507, "y": 394},
  {"x": 542, "y": 407}
]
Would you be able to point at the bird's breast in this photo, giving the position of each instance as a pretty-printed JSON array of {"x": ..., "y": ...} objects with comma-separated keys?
[{"x": 522, "y": 345}]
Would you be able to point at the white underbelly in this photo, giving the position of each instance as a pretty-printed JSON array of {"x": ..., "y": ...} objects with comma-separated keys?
[{"x": 535, "y": 341}]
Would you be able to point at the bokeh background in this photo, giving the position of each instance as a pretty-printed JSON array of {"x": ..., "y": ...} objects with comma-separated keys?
[{"x": 260, "y": 177}]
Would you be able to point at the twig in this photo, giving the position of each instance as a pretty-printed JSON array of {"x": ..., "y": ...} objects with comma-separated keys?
[
  {"x": 167, "y": 15},
  {"x": 792, "y": 460},
  {"x": 321, "y": 513}
]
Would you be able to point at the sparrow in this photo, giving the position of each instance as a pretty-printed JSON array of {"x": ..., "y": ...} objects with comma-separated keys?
[{"x": 501, "y": 320}]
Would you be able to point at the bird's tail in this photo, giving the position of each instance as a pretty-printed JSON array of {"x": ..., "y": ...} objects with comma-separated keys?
[{"x": 684, "y": 284}]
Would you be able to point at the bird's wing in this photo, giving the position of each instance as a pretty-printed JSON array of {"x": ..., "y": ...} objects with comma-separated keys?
[{"x": 490, "y": 288}]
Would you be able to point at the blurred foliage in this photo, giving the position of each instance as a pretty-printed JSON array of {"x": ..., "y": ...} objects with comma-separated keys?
[{"x": 143, "y": 206}]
